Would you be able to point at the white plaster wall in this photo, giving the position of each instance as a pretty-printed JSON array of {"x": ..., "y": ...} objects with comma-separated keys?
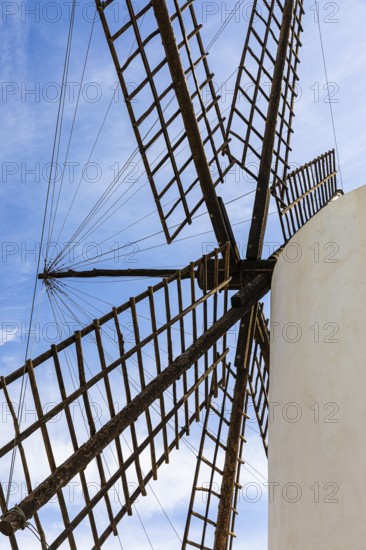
[{"x": 317, "y": 430}]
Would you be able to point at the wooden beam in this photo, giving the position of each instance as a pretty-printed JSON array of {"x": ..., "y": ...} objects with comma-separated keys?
[
  {"x": 70, "y": 273},
  {"x": 257, "y": 266},
  {"x": 262, "y": 197},
  {"x": 242, "y": 359},
  {"x": 244, "y": 267},
  {"x": 249, "y": 295},
  {"x": 221, "y": 229}
]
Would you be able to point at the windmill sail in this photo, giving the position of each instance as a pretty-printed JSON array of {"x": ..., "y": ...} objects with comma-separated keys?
[
  {"x": 258, "y": 378},
  {"x": 305, "y": 191},
  {"x": 179, "y": 135},
  {"x": 206, "y": 491},
  {"x": 255, "y": 81},
  {"x": 202, "y": 513},
  {"x": 129, "y": 368}
]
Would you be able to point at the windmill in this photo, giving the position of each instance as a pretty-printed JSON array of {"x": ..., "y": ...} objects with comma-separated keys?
[{"x": 200, "y": 303}]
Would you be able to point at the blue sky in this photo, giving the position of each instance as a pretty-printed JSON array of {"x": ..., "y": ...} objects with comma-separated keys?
[{"x": 32, "y": 51}]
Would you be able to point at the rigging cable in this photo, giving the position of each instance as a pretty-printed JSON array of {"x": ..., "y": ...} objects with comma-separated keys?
[
  {"x": 327, "y": 84},
  {"x": 110, "y": 187},
  {"x": 73, "y": 121},
  {"x": 60, "y": 114},
  {"x": 23, "y": 383},
  {"x": 99, "y": 203},
  {"x": 172, "y": 227},
  {"x": 81, "y": 262},
  {"x": 225, "y": 23},
  {"x": 34, "y": 531}
]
